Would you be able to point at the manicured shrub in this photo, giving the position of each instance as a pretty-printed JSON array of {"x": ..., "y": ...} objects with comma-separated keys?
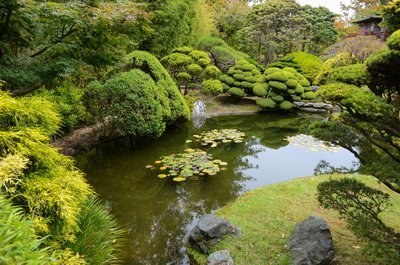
[
  {"x": 310, "y": 95},
  {"x": 281, "y": 76},
  {"x": 260, "y": 90},
  {"x": 290, "y": 69},
  {"x": 266, "y": 103},
  {"x": 212, "y": 71},
  {"x": 223, "y": 77},
  {"x": 255, "y": 72},
  {"x": 183, "y": 49},
  {"x": 225, "y": 87},
  {"x": 194, "y": 69},
  {"x": 246, "y": 84},
  {"x": 291, "y": 91},
  {"x": 394, "y": 41},
  {"x": 278, "y": 98},
  {"x": 237, "y": 83},
  {"x": 247, "y": 74},
  {"x": 292, "y": 83},
  {"x": 212, "y": 86},
  {"x": 296, "y": 98},
  {"x": 229, "y": 80},
  {"x": 271, "y": 70},
  {"x": 286, "y": 105},
  {"x": 173, "y": 104},
  {"x": 356, "y": 74},
  {"x": 299, "y": 89},
  {"x": 207, "y": 43},
  {"x": 304, "y": 82},
  {"x": 130, "y": 103},
  {"x": 237, "y": 92},
  {"x": 246, "y": 67},
  {"x": 251, "y": 79},
  {"x": 238, "y": 77},
  {"x": 277, "y": 85}
]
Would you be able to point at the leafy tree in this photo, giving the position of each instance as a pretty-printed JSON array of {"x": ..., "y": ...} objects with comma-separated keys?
[
  {"x": 369, "y": 128},
  {"x": 323, "y": 31},
  {"x": 274, "y": 28},
  {"x": 391, "y": 13}
]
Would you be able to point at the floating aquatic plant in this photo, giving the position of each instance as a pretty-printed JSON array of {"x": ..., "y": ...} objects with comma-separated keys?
[
  {"x": 311, "y": 143},
  {"x": 188, "y": 165},
  {"x": 215, "y": 137}
]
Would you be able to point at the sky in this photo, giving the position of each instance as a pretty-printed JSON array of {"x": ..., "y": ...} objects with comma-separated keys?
[{"x": 333, "y": 5}]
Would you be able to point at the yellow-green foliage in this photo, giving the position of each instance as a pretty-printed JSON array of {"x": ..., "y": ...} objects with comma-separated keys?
[
  {"x": 18, "y": 243},
  {"x": 48, "y": 187},
  {"x": 212, "y": 86},
  {"x": 394, "y": 41},
  {"x": 341, "y": 59},
  {"x": 236, "y": 92},
  {"x": 266, "y": 103},
  {"x": 355, "y": 74}
]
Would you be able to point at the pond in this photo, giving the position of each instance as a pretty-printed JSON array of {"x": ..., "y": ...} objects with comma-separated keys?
[{"x": 158, "y": 213}]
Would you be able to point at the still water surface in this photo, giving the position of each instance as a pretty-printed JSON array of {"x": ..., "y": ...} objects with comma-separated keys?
[{"x": 158, "y": 212}]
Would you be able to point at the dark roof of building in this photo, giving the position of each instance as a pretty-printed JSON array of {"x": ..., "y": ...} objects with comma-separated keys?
[{"x": 369, "y": 18}]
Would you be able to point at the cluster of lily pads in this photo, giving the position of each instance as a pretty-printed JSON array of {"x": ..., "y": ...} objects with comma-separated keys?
[
  {"x": 215, "y": 137},
  {"x": 190, "y": 164},
  {"x": 196, "y": 162}
]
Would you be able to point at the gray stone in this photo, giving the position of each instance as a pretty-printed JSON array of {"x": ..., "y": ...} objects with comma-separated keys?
[
  {"x": 318, "y": 106},
  {"x": 311, "y": 243},
  {"x": 209, "y": 231},
  {"x": 314, "y": 88},
  {"x": 222, "y": 257}
]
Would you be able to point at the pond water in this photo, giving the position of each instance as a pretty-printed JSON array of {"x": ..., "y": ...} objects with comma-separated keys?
[{"x": 158, "y": 212}]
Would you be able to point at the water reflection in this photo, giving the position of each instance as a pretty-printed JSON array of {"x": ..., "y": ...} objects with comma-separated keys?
[{"x": 158, "y": 212}]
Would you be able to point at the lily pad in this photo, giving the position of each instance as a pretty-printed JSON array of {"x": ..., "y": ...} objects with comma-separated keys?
[
  {"x": 188, "y": 165},
  {"x": 215, "y": 137}
]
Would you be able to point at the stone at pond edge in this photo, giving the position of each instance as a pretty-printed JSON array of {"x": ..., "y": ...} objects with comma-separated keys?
[
  {"x": 209, "y": 231},
  {"x": 311, "y": 243},
  {"x": 222, "y": 257}
]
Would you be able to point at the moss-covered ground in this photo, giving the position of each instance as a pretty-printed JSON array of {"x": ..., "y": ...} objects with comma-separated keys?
[{"x": 268, "y": 215}]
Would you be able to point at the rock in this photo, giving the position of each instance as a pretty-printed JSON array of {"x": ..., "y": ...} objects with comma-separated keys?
[
  {"x": 311, "y": 243},
  {"x": 318, "y": 106},
  {"x": 336, "y": 109},
  {"x": 209, "y": 231},
  {"x": 313, "y": 110},
  {"x": 222, "y": 257},
  {"x": 314, "y": 88}
]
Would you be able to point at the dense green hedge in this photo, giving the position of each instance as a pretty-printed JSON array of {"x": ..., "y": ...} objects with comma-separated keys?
[{"x": 355, "y": 74}]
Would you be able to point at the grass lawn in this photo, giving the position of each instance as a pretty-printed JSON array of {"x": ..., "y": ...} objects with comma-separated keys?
[{"x": 268, "y": 215}]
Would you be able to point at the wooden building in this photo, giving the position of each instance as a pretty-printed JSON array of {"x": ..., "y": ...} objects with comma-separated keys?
[{"x": 370, "y": 26}]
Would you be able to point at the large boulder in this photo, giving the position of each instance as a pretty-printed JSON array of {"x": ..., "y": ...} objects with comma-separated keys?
[
  {"x": 222, "y": 257},
  {"x": 209, "y": 231},
  {"x": 311, "y": 243}
]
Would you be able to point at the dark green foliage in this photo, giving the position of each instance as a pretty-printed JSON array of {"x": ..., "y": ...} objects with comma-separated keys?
[
  {"x": 286, "y": 62},
  {"x": 18, "y": 243},
  {"x": 100, "y": 238},
  {"x": 236, "y": 92},
  {"x": 130, "y": 103},
  {"x": 362, "y": 207},
  {"x": 225, "y": 87},
  {"x": 212, "y": 86},
  {"x": 242, "y": 75},
  {"x": 173, "y": 103},
  {"x": 207, "y": 43},
  {"x": 369, "y": 128},
  {"x": 355, "y": 74},
  {"x": 383, "y": 68},
  {"x": 68, "y": 102},
  {"x": 266, "y": 103},
  {"x": 391, "y": 14}
]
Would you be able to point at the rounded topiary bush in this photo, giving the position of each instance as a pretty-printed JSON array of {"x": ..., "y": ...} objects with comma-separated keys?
[
  {"x": 355, "y": 74},
  {"x": 286, "y": 105},
  {"x": 278, "y": 85},
  {"x": 212, "y": 86},
  {"x": 236, "y": 92},
  {"x": 394, "y": 41},
  {"x": 266, "y": 103},
  {"x": 260, "y": 90}
]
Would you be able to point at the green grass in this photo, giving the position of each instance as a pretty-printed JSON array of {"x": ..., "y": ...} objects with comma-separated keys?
[{"x": 268, "y": 215}]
